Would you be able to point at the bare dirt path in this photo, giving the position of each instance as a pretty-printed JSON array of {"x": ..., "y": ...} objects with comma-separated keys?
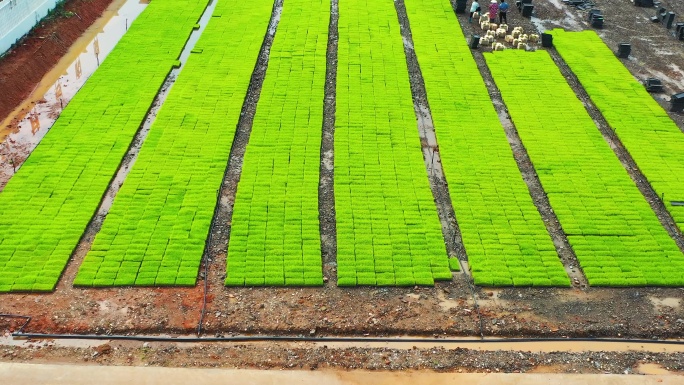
[{"x": 288, "y": 357}]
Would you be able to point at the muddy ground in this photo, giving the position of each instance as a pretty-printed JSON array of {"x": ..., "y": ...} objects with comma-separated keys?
[
  {"x": 24, "y": 65},
  {"x": 655, "y": 51},
  {"x": 302, "y": 356},
  {"x": 446, "y": 310},
  {"x": 449, "y": 309}
]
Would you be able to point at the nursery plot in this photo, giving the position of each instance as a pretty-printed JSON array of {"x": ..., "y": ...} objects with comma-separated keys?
[
  {"x": 155, "y": 231},
  {"x": 615, "y": 234},
  {"x": 388, "y": 231},
  {"x": 275, "y": 236},
  {"x": 647, "y": 132},
  {"x": 46, "y": 206},
  {"x": 503, "y": 233}
]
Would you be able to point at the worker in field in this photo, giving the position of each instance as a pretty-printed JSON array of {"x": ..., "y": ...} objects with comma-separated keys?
[
  {"x": 503, "y": 11},
  {"x": 493, "y": 11},
  {"x": 475, "y": 7}
]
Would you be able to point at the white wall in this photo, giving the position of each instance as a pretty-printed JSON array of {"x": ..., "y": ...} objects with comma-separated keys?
[{"x": 17, "y": 17}]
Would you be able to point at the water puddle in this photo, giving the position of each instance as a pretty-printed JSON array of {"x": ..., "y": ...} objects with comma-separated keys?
[
  {"x": 21, "y": 132},
  {"x": 649, "y": 368},
  {"x": 407, "y": 43},
  {"x": 568, "y": 23},
  {"x": 276, "y": 19},
  {"x": 194, "y": 37},
  {"x": 427, "y": 134},
  {"x": 670, "y": 302},
  {"x": 447, "y": 303},
  {"x": 491, "y": 298}
]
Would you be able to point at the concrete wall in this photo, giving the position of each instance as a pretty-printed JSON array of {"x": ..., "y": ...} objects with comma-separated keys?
[{"x": 17, "y": 17}]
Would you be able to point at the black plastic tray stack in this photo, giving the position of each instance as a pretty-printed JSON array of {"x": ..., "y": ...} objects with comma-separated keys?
[
  {"x": 596, "y": 18},
  {"x": 677, "y": 102},
  {"x": 525, "y": 7},
  {"x": 643, "y": 3}
]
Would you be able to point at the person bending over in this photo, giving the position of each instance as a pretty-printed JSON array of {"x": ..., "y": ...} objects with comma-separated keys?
[{"x": 475, "y": 7}]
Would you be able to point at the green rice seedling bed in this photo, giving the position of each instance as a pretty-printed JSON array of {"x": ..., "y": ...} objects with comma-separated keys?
[
  {"x": 155, "y": 232},
  {"x": 616, "y": 236},
  {"x": 46, "y": 206},
  {"x": 653, "y": 140},
  {"x": 275, "y": 238},
  {"x": 388, "y": 231},
  {"x": 503, "y": 233}
]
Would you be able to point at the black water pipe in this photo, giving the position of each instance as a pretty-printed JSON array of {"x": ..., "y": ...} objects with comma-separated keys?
[
  {"x": 271, "y": 338},
  {"x": 260, "y": 338}
]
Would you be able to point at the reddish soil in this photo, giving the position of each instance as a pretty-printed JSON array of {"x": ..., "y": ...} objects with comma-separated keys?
[{"x": 23, "y": 66}]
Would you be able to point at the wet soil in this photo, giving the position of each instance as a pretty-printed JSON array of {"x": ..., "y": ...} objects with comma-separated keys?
[
  {"x": 445, "y": 310},
  {"x": 305, "y": 356},
  {"x": 24, "y": 65}
]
